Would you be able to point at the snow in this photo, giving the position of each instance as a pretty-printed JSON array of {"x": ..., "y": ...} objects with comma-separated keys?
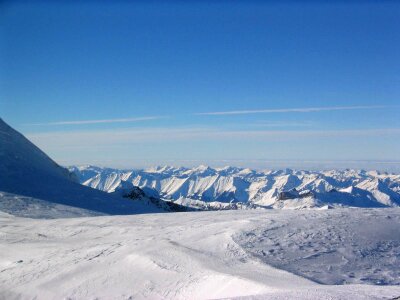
[
  {"x": 56, "y": 243},
  {"x": 29, "y": 173},
  {"x": 18, "y": 154},
  {"x": 258, "y": 254},
  {"x": 328, "y": 247},
  {"x": 23, "y": 206},
  {"x": 354, "y": 188}
]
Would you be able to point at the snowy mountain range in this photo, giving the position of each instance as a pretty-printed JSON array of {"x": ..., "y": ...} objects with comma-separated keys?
[
  {"x": 258, "y": 254},
  {"x": 28, "y": 177},
  {"x": 274, "y": 189}
]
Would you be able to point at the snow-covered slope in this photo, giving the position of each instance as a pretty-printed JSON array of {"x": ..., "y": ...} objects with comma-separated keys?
[
  {"x": 27, "y": 171},
  {"x": 20, "y": 158},
  {"x": 358, "y": 246},
  {"x": 267, "y": 254},
  {"x": 229, "y": 184},
  {"x": 23, "y": 206}
]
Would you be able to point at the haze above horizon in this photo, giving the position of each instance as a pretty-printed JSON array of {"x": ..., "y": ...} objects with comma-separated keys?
[{"x": 252, "y": 84}]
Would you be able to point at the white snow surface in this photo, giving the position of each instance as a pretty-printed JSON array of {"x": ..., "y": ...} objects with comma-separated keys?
[
  {"x": 22, "y": 206},
  {"x": 251, "y": 254},
  {"x": 349, "y": 188}
]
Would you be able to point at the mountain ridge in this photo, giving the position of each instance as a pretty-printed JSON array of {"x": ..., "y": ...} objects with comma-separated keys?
[{"x": 231, "y": 184}]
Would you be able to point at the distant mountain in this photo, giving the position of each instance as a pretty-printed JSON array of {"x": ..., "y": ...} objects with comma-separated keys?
[
  {"x": 203, "y": 184},
  {"x": 27, "y": 171}
]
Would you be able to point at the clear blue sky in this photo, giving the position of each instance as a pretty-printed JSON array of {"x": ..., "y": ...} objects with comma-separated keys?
[{"x": 263, "y": 84}]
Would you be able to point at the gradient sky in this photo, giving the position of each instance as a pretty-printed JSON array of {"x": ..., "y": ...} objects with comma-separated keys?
[{"x": 260, "y": 84}]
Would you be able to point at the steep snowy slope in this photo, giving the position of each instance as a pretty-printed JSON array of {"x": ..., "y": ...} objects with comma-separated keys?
[
  {"x": 229, "y": 184},
  {"x": 355, "y": 253},
  {"x": 27, "y": 171},
  {"x": 20, "y": 158}
]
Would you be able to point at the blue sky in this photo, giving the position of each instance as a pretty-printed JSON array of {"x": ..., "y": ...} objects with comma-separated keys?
[{"x": 259, "y": 84}]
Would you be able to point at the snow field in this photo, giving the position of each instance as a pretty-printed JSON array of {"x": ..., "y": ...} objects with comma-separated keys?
[{"x": 199, "y": 255}]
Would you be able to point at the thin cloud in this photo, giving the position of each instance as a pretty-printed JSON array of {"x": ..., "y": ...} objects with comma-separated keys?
[
  {"x": 284, "y": 124},
  {"x": 289, "y": 110},
  {"x": 116, "y": 138},
  {"x": 85, "y": 122}
]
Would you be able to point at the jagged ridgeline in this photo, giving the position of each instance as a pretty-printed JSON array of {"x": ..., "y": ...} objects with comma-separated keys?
[
  {"x": 27, "y": 171},
  {"x": 274, "y": 189}
]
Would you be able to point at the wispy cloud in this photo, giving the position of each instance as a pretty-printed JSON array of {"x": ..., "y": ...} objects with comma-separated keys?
[
  {"x": 116, "y": 138},
  {"x": 85, "y": 122},
  {"x": 290, "y": 110},
  {"x": 282, "y": 124}
]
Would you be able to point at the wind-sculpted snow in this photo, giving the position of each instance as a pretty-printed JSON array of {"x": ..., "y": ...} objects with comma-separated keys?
[
  {"x": 327, "y": 188},
  {"x": 341, "y": 247},
  {"x": 203, "y": 255}
]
